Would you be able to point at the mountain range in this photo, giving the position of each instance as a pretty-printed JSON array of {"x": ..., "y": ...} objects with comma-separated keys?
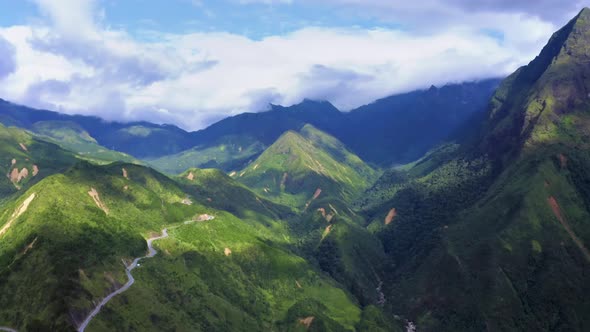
[{"x": 460, "y": 208}]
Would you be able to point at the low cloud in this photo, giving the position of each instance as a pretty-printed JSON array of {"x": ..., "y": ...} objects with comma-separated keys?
[
  {"x": 7, "y": 58},
  {"x": 193, "y": 79}
]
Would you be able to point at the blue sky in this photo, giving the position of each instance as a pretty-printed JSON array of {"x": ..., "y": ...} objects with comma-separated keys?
[{"x": 190, "y": 62}]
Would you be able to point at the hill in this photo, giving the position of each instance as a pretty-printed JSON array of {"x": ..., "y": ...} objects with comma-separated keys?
[
  {"x": 396, "y": 129},
  {"x": 27, "y": 159},
  {"x": 62, "y": 242},
  {"x": 299, "y": 167},
  {"x": 139, "y": 139},
  {"x": 492, "y": 234}
]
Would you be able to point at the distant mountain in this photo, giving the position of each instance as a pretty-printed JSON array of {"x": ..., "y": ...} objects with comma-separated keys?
[
  {"x": 493, "y": 234},
  {"x": 139, "y": 139},
  {"x": 392, "y": 130}
]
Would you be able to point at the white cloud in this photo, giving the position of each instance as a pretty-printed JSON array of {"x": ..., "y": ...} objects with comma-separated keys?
[{"x": 190, "y": 79}]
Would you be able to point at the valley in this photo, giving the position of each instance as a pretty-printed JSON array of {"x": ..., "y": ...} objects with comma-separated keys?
[{"x": 464, "y": 207}]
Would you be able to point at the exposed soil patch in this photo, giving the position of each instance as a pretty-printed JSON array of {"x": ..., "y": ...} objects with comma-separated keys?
[
  {"x": 13, "y": 175},
  {"x": 12, "y": 162},
  {"x": 317, "y": 194},
  {"x": 284, "y": 180},
  {"x": 24, "y": 147},
  {"x": 307, "y": 321},
  {"x": 17, "y": 213},
  {"x": 204, "y": 217},
  {"x": 95, "y": 196},
  {"x": 35, "y": 170},
  {"x": 327, "y": 231},
  {"x": 190, "y": 176},
  {"x": 227, "y": 251},
  {"x": 298, "y": 284},
  {"x": 256, "y": 166},
  {"x": 557, "y": 212},
  {"x": 327, "y": 216},
  {"x": 23, "y": 174},
  {"x": 125, "y": 174},
  {"x": 390, "y": 216},
  {"x": 16, "y": 176},
  {"x": 126, "y": 188},
  {"x": 563, "y": 160}
]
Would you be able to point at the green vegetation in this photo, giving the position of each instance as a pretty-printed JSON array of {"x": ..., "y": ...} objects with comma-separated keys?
[
  {"x": 493, "y": 234},
  {"x": 72, "y": 137},
  {"x": 229, "y": 154},
  {"x": 78, "y": 243},
  {"x": 299, "y": 166},
  {"x": 24, "y": 165}
]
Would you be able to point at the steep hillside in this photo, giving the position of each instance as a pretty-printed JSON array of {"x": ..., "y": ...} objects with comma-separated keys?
[
  {"x": 314, "y": 173},
  {"x": 494, "y": 236},
  {"x": 227, "y": 153},
  {"x": 392, "y": 130},
  {"x": 63, "y": 240},
  {"x": 299, "y": 167},
  {"x": 25, "y": 160},
  {"x": 139, "y": 139},
  {"x": 402, "y": 128},
  {"x": 72, "y": 137},
  {"x": 395, "y": 129}
]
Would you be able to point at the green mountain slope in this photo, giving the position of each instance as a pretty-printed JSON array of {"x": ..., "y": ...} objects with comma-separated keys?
[
  {"x": 140, "y": 139},
  {"x": 63, "y": 240},
  {"x": 316, "y": 174},
  {"x": 394, "y": 129},
  {"x": 228, "y": 153},
  {"x": 494, "y": 236},
  {"x": 73, "y": 137},
  {"x": 27, "y": 159},
  {"x": 299, "y": 167}
]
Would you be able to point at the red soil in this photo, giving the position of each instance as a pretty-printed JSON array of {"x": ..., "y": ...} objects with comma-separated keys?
[
  {"x": 307, "y": 321},
  {"x": 557, "y": 212},
  {"x": 563, "y": 160},
  {"x": 390, "y": 216}
]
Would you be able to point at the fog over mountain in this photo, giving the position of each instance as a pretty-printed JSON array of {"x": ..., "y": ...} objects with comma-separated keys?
[{"x": 192, "y": 63}]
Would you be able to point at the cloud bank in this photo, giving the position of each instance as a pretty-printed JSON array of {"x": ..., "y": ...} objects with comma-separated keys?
[{"x": 70, "y": 60}]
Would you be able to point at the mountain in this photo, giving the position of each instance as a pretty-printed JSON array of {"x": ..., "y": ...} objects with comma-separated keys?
[
  {"x": 301, "y": 166},
  {"x": 73, "y": 137},
  {"x": 139, "y": 139},
  {"x": 402, "y": 128},
  {"x": 26, "y": 159},
  {"x": 314, "y": 173},
  {"x": 62, "y": 242},
  {"x": 392, "y": 130},
  {"x": 232, "y": 143},
  {"x": 492, "y": 233}
]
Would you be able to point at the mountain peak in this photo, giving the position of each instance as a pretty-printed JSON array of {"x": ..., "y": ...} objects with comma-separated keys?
[
  {"x": 308, "y": 105},
  {"x": 543, "y": 94}
]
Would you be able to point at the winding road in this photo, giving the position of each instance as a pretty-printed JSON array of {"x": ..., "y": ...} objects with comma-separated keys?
[
  {"x": 7, "y": 329},
  {"x": 151, "y": 253}
]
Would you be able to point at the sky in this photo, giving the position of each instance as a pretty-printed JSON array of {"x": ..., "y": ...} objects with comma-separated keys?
[{"x": 193, "y": 62}]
